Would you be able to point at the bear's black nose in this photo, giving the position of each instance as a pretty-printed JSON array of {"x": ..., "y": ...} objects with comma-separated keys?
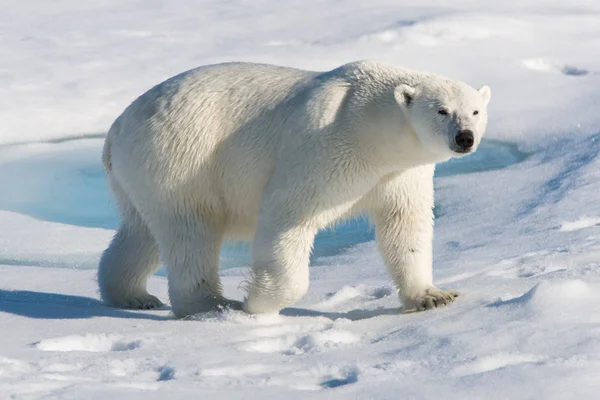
[{"x": 465, "y": 140}]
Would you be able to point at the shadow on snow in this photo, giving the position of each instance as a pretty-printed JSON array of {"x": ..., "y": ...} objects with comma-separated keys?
[{"x": 41, "y": 305}]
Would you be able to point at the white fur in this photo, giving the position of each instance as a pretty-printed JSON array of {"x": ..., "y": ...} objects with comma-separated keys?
[{"x": 246, "y": 150}]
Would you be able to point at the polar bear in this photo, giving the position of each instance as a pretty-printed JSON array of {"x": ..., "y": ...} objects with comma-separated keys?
[{"x": 242, "y": 150}]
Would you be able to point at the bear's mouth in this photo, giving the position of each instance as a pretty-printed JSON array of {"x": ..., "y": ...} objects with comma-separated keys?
[{"x": 461, "y": 152}]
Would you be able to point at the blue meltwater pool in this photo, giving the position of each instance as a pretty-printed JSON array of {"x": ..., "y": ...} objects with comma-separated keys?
[{"x": 63, "y": 181}]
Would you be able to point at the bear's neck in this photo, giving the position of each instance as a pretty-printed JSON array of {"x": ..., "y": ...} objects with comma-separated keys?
[{"x": 402, "y": 150}]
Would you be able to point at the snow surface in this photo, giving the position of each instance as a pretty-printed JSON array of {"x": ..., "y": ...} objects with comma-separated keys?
[{"x": 517, "y": 228}]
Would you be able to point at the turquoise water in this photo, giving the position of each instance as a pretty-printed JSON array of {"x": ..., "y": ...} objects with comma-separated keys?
[{"x": 64, "y": 182}]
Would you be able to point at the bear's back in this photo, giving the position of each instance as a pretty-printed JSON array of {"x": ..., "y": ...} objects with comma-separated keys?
[{"x": 230, "y": 95}]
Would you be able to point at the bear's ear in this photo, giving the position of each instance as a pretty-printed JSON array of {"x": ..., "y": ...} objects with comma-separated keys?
[
  {"x": 404, "y": 94},
  {"x": 486, "y": 93}
]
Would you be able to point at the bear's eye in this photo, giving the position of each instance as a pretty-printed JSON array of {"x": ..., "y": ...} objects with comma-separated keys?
[
  {"x": 441, "y": 111},
  {"x": 475, "y": 112}
]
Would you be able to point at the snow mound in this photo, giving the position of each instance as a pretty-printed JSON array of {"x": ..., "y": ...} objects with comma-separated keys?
[
  {"x": 91, "y": 343},
  {"x": 581, "y": 223},
  {"x": 556, "y": 299},
  {"x": 449, "y": 29},
  {"x": 540, "y": 64}
]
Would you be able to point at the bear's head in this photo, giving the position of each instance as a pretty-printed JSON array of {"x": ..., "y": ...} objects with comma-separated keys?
[{"x": 448, "y": 117}]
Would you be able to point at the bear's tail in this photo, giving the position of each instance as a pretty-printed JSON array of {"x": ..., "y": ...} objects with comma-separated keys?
[{"x": 107, "y": 142}]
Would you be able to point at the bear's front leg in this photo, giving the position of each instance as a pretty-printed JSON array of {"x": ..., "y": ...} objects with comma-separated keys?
[
  {"x": 403, "y": 214},
  {"x": 280, "y": 258}
]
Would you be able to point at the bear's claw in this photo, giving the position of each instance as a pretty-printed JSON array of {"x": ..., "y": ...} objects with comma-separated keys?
[{"x": 430, "y": 298}]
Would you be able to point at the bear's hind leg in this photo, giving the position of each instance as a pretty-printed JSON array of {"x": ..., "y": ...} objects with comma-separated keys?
[
  {"x": 190, "y": 246},
  {"x": 126, "y": 264}
]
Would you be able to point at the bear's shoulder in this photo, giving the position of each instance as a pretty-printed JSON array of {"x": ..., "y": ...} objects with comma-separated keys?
[
  {"x": 360, "y": 70},
  {"x": 371, "y": 72}
]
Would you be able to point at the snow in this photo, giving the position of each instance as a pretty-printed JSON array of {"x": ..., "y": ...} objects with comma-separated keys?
[
  {"x": 581, "y": 223},
  {"x": 517, "y": 228}
]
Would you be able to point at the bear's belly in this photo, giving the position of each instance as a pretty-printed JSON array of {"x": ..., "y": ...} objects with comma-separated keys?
[{"x": 242, "y": 189}]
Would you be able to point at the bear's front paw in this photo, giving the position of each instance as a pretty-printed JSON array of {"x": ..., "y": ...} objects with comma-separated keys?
[
  {"x": 139, "y": 301},
  {"x": 184, "y": 307},
  {"x": 429, "y": 298}
]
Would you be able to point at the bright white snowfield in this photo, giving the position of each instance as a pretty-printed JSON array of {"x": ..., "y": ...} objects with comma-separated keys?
[{"x": 517, "y": 228}]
